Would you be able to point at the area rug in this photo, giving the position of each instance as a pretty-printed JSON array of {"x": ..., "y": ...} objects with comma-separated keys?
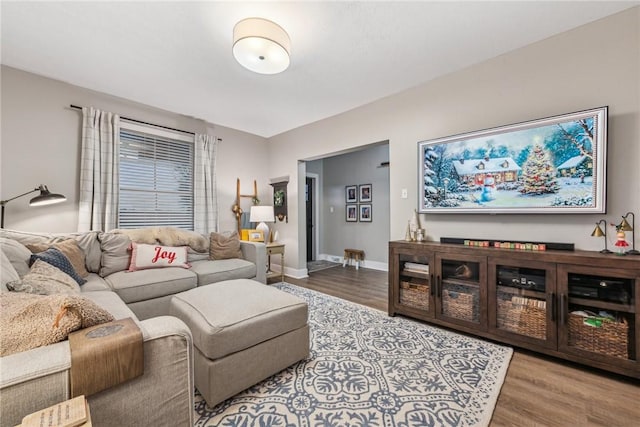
[
  {"x": 320, "y": 265},
  {"x": 369, "y": 369}
]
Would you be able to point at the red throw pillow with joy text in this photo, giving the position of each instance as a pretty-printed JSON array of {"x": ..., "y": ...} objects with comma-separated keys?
[{"x": 155, "y": 256}]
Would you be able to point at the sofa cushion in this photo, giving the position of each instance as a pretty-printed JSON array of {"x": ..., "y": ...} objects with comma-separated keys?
[
  {"x": 223, "y": 269},
  {"x": 237, "y": 314},
  {"x": 155, "y": 256},
  {"x": 56, "y": 258},
  {"x": 90, "y": 245},
  {"x": 193, "y": 255},
  {"x": 27, "y": 319},
  {"x": 147, "y": 284},
  {"x": 224, "y": 247},
  {"x": 113, "y": 304},
  {"x": 88, "y": 242},
  {"x": 70, "y": 248},
  {"x": 7, "y": 272},
  {"x": 17, "y": 254},
  {"x": 95, "y": 283},
  {"x": 45, "y": 279},
  {"x": 115, "y": 253}
]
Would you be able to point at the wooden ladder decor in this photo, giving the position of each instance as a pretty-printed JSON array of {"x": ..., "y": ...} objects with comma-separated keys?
[{"x": 236, "y": 208}]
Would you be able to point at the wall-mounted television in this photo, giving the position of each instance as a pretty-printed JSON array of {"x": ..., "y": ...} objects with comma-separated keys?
[{"x": 551, "y": 165}]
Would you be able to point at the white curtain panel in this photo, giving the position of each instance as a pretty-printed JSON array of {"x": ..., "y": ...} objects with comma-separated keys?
[
  {"x": 99, "y": 177},
  {"x": 204, "y": 186}
]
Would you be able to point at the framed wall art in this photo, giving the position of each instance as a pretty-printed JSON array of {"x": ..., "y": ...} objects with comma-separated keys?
[
  {"x": 553, "y": 165},
  {"x": 352, "y": 213},
  {"x": 365, "y": 213},
  {"x": 280, "y": 200},
  {"x": 364, "y": 193},
  {"x": 256, "y": 236},
  {"x": 351, "y": 194}
]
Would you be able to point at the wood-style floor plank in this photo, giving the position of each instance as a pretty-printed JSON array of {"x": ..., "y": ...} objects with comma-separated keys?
[{"x": 538, "y": 390}]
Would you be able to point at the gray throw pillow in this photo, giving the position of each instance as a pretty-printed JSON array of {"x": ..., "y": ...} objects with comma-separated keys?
[
  {"x": 56, "y": 258},
  {"x": 8, "y": 273},
  {"x": 116, "y": 255},
  {"x": 45, "y": 279},
  {"x": 17, "y": 254}
]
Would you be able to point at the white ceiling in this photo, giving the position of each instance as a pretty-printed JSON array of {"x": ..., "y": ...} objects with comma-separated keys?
[{"x": 177, "y": 55}]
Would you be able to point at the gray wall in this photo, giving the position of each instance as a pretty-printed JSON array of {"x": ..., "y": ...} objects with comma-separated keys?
[
  {"x": 360, "y": 167},
  {"x": 593, "y": 65},
  {"x": 41, "y": 145}
]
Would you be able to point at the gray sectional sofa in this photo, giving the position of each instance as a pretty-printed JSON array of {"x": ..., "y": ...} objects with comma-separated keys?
[{"x": 163, "y": 395}]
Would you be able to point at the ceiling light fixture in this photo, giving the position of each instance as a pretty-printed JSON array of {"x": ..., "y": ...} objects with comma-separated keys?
[{"x": 261, "y": 46}]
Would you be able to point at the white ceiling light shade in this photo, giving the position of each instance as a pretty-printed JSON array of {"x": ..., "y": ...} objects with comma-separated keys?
[{"x": 261, "y": 46}]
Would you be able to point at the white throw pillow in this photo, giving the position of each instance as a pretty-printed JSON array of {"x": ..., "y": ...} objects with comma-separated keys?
[{"x": 155, "y": 256}]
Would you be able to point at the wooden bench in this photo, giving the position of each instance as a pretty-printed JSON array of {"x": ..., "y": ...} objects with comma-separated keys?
[{"x": 356, "y": 255}]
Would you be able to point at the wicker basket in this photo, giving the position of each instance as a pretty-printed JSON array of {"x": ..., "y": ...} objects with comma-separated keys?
[
  {"x": 521, "y": 318},
  {"x": 414, "y": 295},
  {"x": 461, "y": 302},
  {"x": 611, "y": 339}
]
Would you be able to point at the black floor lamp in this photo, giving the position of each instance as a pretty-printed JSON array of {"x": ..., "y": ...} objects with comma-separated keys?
[{"x": 44, "y": 198}]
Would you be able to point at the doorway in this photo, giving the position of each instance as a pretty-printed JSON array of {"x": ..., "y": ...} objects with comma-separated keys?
[{"x": 309, "y": 199}]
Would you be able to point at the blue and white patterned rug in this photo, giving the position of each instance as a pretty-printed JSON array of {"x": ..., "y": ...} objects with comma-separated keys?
[{"x": 367, "y": 369}]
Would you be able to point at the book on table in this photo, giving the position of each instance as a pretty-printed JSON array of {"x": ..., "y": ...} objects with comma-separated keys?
[{"x": 70, "y": 413}]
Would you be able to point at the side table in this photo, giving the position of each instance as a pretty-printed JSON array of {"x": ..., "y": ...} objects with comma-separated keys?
[{"x": 274, "y": 249}]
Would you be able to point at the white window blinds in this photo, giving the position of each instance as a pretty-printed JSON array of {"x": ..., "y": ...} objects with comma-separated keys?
[{"x": 156, "y": 179}]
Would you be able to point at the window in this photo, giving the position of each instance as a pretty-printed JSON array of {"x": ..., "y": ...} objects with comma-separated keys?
[{"x": 156, "y": 178}]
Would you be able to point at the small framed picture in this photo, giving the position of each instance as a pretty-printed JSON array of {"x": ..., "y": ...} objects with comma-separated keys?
[
  {"x": 364, "y": 193},
  {"x": 351, "y": 194},
  {"x": 365, "y": 213},
  {"x": 256, "y": 236},
  {"x": 352, "y": 213}
]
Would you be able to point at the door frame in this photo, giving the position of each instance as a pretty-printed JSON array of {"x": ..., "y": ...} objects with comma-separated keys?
[{"x": 316, "y": 214}]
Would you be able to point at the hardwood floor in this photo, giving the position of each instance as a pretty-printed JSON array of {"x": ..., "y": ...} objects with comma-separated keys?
[{"x": 538, "y": 390}]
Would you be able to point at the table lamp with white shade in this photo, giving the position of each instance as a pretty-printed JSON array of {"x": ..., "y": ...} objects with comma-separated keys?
[{"x": 262, "y": 214}]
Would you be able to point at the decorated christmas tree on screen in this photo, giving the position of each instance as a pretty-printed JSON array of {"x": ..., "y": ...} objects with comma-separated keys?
[{"x": 538, "y": 173}]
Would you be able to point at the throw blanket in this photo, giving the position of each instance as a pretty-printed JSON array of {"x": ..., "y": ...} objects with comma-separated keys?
[
  {"x": 28, "y": 321},
  {"x": 167, "y": 236}
]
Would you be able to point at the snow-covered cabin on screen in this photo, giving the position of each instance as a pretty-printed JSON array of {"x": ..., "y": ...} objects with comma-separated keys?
[
  {"x": 571, "y": 167},
  {"x": 474, "y": 171}
]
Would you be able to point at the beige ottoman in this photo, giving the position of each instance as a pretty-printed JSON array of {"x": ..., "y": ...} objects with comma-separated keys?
[{"x": 243, "y": 332}]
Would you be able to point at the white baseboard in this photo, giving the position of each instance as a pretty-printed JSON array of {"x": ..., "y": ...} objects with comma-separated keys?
[
  {"x": 301, "y": 273},
  {"x": 374, "y": 265},
  {"x": 291, "y": 272}
]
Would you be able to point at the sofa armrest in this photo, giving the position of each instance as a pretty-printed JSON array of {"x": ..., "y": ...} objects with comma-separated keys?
[
  {"x": 39, "y": 378},
  {"x": 256, "y": 253},
  {"x": 33, "y": 380},
  {"x": 164, "y": 394}
]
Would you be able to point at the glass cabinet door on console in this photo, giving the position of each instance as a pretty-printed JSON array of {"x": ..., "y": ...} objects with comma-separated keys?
[
  {"x": 415, "y": 290},
  {"x": 460, "y": 295},
  {"x": 598, "y": 313},
  {"x": 522, "y": 301}
]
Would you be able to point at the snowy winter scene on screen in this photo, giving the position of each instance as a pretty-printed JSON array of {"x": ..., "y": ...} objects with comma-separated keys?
[{"x": 552, "y": 165}]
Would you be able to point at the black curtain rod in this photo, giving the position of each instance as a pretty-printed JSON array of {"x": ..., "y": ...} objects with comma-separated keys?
[{"x": 147, "y": 123}]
